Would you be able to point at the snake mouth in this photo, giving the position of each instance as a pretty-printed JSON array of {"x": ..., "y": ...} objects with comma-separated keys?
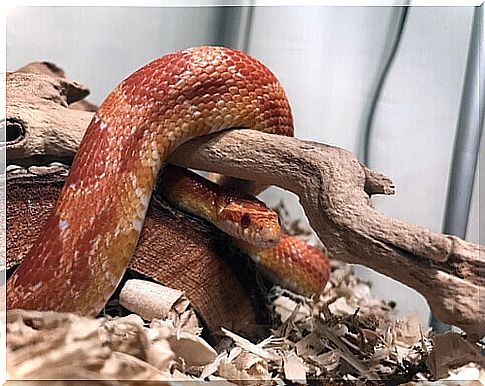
[{"x": 257, "y": 237}]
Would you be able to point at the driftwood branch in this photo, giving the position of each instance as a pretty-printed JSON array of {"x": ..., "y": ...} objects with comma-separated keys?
[
  {"x": 332, "y": 184},
  {"x": 334, "y": 189},
  {"x": 38, "y": 105}
]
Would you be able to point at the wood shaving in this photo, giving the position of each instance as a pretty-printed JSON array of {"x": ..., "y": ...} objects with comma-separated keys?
[
  {"x": 294, "y": 368},
  {"x": 310, "y": 339}
]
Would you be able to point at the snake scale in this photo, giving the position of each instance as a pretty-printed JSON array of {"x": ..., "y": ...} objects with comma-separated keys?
[{"x": 90, "y": 236}]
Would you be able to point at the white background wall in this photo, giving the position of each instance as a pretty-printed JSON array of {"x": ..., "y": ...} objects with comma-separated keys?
[
  {"x": 327, "y": 59},
  {"x": 100, "y": 46}
]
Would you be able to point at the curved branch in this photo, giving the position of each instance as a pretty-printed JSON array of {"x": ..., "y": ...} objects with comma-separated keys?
[{"x": 331, "y": 184}]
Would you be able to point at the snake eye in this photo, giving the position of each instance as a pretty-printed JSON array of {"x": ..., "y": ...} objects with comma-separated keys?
[{"x": 245, "y": 220}]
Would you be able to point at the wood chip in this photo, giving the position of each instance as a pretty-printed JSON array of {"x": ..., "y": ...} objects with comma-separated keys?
[
  {"x": 149, "y": 300},
  {"x": 451, "y": 351},
  {"x": 329, "y": 360},
  {"x": 193, "y": 349},
  {"x": 253, "y": 365},
  {"x": 248, "y": 346},
  {"x": 294, "y": 368}
]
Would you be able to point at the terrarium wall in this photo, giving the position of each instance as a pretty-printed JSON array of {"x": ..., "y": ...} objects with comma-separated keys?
[{"x": 328, "y": 59}]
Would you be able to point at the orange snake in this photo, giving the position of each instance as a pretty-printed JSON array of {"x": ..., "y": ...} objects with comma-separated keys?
[
  {"x": 288, "y": 261},
  {"x": 91, "y": 234}
]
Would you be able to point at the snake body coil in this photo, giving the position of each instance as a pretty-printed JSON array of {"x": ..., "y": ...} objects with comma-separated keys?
[{"x": 93, "y": 230}]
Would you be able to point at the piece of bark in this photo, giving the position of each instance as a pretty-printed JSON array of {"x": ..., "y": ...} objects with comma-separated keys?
[
  {"x": 334, "y": 189},
  {"x": 174, "y": 250}
]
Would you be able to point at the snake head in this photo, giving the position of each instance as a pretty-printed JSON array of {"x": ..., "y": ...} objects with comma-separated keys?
[
  {"x": 236, "y": 213},
  {"x": 249, "y": 220}
]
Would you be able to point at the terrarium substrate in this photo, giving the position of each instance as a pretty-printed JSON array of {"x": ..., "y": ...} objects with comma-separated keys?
[{"x": 344, "y": 335}]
